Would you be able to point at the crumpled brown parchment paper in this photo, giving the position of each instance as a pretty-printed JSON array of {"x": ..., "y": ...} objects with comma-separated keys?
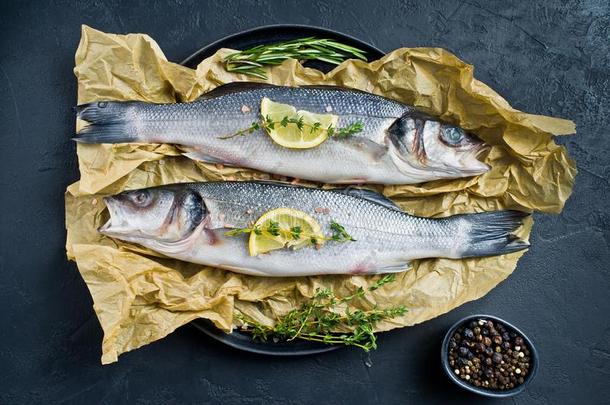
[{"x": 140, "y": 297}]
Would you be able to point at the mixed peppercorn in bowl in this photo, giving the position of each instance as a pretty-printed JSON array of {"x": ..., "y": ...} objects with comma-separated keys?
[{"x": 489, "y": 356}]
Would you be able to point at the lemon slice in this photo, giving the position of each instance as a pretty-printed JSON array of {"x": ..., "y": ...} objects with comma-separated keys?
[
  {"x": 290, "y": 136},
  {"x": 277, "y": 230}
]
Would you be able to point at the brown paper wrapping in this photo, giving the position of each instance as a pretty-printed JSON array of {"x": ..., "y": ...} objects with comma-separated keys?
[{"x": 140, "y": 296}]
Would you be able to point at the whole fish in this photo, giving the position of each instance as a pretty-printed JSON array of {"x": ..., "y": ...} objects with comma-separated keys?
[
  {"x": 398, "y": 145},
  {"x": 190, "y": 221}
]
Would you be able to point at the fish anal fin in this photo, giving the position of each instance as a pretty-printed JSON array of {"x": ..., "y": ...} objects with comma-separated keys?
[
  {"x": 198, "y": 154},
  {"x": 395, "y": 268}
]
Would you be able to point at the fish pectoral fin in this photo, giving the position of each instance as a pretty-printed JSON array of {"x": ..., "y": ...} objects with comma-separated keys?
[
  {"x": 373, "y": 150},
  {"x": 197, "y": 154}
]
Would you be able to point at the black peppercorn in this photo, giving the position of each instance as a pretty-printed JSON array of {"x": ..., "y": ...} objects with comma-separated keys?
[{"x": 488, "y": 355}]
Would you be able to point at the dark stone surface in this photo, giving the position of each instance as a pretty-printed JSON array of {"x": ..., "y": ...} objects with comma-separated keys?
[{"x": 547, "y": 57}]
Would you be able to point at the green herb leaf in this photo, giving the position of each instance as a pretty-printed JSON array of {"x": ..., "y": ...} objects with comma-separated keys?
[
  {"x": 238, "y": 231},
  {"x": 319, "y": 319},
  {"x": 295, "y": 232},
  {"x": 251, "y": 61},
  {"x": 273, "y": 228},
  {"x": 339, "y": 233},
  {"x": 349, "y": 130}
]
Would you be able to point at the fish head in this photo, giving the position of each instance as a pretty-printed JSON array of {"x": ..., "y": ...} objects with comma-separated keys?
[
  {"x": 161, "y": 214},
  {"x": 428, "y": 144}
]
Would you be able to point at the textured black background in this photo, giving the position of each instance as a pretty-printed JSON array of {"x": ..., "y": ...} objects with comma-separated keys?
[{"x": 547, "y": 57}]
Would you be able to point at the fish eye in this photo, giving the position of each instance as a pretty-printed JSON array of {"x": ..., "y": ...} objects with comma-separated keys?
[
  {"x": 141, "y": 198},
  {"x": 453, "y": 136}
]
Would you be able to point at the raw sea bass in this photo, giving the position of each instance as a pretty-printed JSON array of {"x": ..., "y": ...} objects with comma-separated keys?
[
  {"x": 398, "y": 145},
  {"x": 189, "y": 222}
]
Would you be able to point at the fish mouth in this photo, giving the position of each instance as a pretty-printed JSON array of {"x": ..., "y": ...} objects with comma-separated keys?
[
  {"x": 110, "y": 227},
  {"x": 476, "y": 165}
]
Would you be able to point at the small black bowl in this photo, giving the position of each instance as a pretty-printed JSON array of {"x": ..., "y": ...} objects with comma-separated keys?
[{"x": 534, "y": 359}]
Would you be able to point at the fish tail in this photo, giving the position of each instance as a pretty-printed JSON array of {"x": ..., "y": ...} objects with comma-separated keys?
[
  {"x": 491, "y": 233},
  {"x": 108, "y": 122}
]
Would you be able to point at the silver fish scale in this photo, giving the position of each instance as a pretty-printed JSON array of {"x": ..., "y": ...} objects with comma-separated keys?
[
  {"x": 200, "y": 125},
  {"x": 363, "y": 219},
  {"x": 223, "y": 115}
]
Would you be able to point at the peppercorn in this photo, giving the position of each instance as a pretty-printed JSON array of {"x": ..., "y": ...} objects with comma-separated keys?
[{"x": 489, "y": 355}]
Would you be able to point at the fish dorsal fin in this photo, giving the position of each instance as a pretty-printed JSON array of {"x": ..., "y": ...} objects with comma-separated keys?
[
  {"x": 234, "y": 87},
  {"x": 333, "y": 87},
  {"x": 369, "y": 195}
]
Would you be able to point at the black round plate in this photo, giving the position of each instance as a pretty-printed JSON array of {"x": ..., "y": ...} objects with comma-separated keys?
[
  {"x": 246, "y": 39},
  {"x": 244, "y": 341}
]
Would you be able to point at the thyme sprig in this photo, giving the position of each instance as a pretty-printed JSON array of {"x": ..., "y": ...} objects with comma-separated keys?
[
  {"x": 318, "y": 319},
  {"x": 253, "y": 60},
  {"x": 339, "y": 234},
  {"x": 267, "y": 123}
]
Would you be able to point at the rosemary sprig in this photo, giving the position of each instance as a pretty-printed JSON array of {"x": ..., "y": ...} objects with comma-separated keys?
[
  {"x": 267, "y": 123},
  {"x": 253, "y": 60},
  {"x": 317, "y": 320}
]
